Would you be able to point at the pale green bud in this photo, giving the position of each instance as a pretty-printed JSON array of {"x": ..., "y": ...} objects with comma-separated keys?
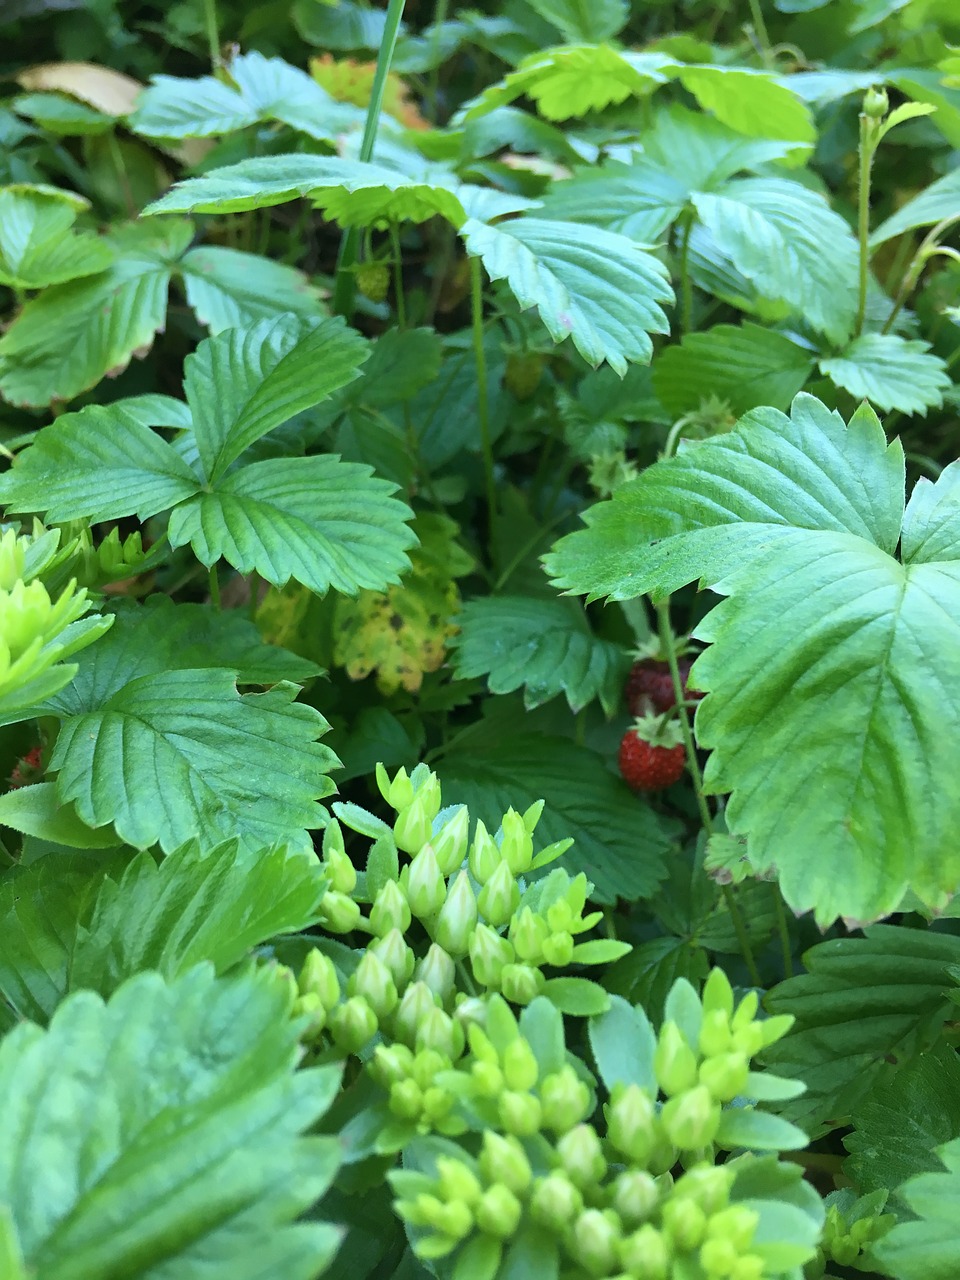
[
  {"x": 425, "y": 887},
  {"x": 646, "y": 1254},
  {"x": 516, "y": 846},
  {"x": 717, "y": 993},
  {"x": 595, "y": 1241},
  {"x": 406, "y": 1099},
  {"x": 499, "y": 897},
  {"x": 736, "y": 1223},
  {"x": 437, "y": 1103},
  {"x": 503, "y": 1160},
  {"x": 437, "y": 971},
  {"x": 498, "y": 1213},
  {"x": 718, "y": 1257},
  {"x": 581, "y": 1155},
  {"x": 565, "y": 1100},
  {"x": 398, "y": 793},
  {"x": 353, "y": 1024},
  {"x": 319, "y": 976},
  {"x": 390, "y": 910},
  {"x": 519, "y": 1063},
  {"x": 556, "y": 1202},
  {"x": 450, "y": 842},
  {"x": 12, "y": 559},
  {"x": 456, "y": 1181},
  {"x": 391, "y": 1063},
  {"x": 632, "y": 1122},
  {"x": 310, "y": 1007},
  {"x": 412, "y": 828},
  {"x": 709, "y": 1185},
  {"x": 470, "y": 1011},
  {"x": 452, "y": 1218},
  {"x": 458, "y": 918},
  {"x": 338, "y": 913},
  {"x": 489, "y": 952},
  {"x": 393, "y": 950},
  {"x": 416, "y": 1003},
  {"x": 558, "y": 950},
  {"x": 685, "y": 1223},
  {"x": 374, "y": 981},
  {"x": 635, "y": 1196},
  {"x": 715, "y": 1036},
  {"x": 438, "y": 1031},
  {"x": 876, "y": 103},
  {"x": 426, "y": 1065},
  {"x": 429, "y": 793},
  {"x": 487, "y": 1079},
  {"x": 521, "y": 983},
  {"x": 528, "y": 933},
  {"x": 748, "y": 1040},
  {"x": 725, "y": 1075},
  {"x": 519, "y": 1113},
  {"x": 484, "y": 855},
  {"x": 691, "y": 1120},
  {"x": 674, "y": 1061}
]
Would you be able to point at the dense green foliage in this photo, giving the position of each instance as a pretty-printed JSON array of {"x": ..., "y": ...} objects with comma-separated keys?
[{"x": 415, "y": 427}]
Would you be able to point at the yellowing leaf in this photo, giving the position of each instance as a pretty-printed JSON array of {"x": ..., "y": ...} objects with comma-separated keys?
[
  {"x": 109, "y": 91},
  {"x": 348, "y": 80},
  {"x": 402, "y": 633}
]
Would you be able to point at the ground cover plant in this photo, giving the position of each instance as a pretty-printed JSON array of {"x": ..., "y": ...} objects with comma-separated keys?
[{"x": 479, "y": 640}]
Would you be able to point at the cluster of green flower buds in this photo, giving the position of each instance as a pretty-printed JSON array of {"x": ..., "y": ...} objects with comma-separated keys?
[{"x": 852, "y": 1226}]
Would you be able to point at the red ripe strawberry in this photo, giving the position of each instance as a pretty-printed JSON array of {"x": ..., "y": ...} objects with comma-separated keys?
[
  {"x": 650, "y": 686},
  {"x": 28, "y": 769},
  {"x": 651, "y": 755}
]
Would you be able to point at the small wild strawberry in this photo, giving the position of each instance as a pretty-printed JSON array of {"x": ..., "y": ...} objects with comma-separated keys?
[
  {"x": 523, "y": 374},
  {"x": 649, "y": 686},
  {"x": 651, "y": 754},
  {"x": 27, "y": 770},
  {"x": 373, "y": 280}
]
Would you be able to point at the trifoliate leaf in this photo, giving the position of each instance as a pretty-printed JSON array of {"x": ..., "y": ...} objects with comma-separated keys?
[
  {"x": 266, "y": 89},
  {"x": 573, "y": 80},
  {"x": 403, "y": 632},
  {"x": 229, "y": 289},
  {"x": 791, "y": 245},
  {"x": 65, "y": 340},
  {"x": 619, "y": 842},
  {"x": 744, "y": 365},
  {"x": 160, "y": 1134},
  {"x": 752, "y": 102},
  {"x": 595, "y": 286},
  {"x": 890, "y": 371},
  {"x": 38, "y": 246},
  {"x": 545, "y": 647},
  {"x": 938, "y": 201},
  {"x": 579, "y": 20}
]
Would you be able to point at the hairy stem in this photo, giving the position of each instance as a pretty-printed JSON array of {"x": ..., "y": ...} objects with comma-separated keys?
[
  {"x": 483, "y": 405},
  {"x": 867, "y": 149},
  {"x": 686, "y": 284},
  {"x": 214, "y": 579},
  {"x": 785, "y": 948}
]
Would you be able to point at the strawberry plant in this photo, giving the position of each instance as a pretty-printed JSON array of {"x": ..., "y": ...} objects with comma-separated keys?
[{"x": 479, "y": 632}]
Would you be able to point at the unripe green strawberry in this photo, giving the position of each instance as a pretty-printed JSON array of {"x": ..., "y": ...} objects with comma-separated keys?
[
  {"x": 523, "y": 374},
  {"x": 373, "y": 280}
]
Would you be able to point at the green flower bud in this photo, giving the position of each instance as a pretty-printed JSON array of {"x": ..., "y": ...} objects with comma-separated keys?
[
  {"x": 484, "y": 857},
  {"x": 516, "y": 847},
  {"x": 725, "y": 1075},
  {"x": 520, "y": 1069},
  {"x": 556, "y": 1202},
  {"x": 413, "y": 1008},
  {"x": 435, "y": 1246},
  {"x": 450, "y": 842},
  {"x": 310, "y": 1007},
  {"x": 428, "y": 792},
  {"x": 631, "y": 1122},
  {"x": 457, "y": 1181},
  {"x": 426, "y": 1065},
  {"x": 390, "y": 910},
  {"x": 718, "y": 1257},
  {"x": 717, "y": 994},
  {"x": 470, "y": 1011},
  {"x": 595, "y": 1242},
  {"x": 498, "y": 1213},
  {"x": 319, "y": 977},
  {"x": 646, "y": 1254},
  {"x": 13, "y": 559},
  {"x": 453, "y": 1218},
  {"x": 353, "y": 1024},
  {"x": 437, "y": 1103},
  {"x": 412, "y": 828},
  {"x": 374, "y": 981},
  {"x": 746, "y": 1011},
  {"x": 558, "y": 950},
  {"x": 735, "y": 1223},
  {"x": 519, "y": 1113},
  {"x": 489, "y": 952},
  {"x": 635, "y": 1196},
  {"x": 663, "y": 1156},
  {"x": 406, "y": 1100},
  {"x": 391, "y": 1063},
  {"x": 528, "y": 933},
  {"x": 876, "y": 104},
  {"x": 708, "y": 1185},
  {"x": 521, "y": 983},
  {"x": 437, "y": 1030},
  {"x": 436, "y": 971},
  {"x": 674, "y": 1061},
  {"x": 685, "y": 1223},
  {"x": 487, "y": 1079},
  {"x": 748, "y": 1040},
  {"x": 715, "y": 1036},
  {"x": 503, "y": 1160},
  {"x": 581, "y": 1156},
  {"x": 751, "y": 1267},
  {"x": 426, "y": 888},
  {"x": 691, "y": 1120},
  {"x": 341, "y": 871},
  {"x": 565, "y": 1100},
  {"x": 396, "y": 955},
  {"x": 338, "y": 913},
  {"x": 398, "y": 793},
  {"x": 499, "y": 897},
  {"x": 458, "y": 918}
]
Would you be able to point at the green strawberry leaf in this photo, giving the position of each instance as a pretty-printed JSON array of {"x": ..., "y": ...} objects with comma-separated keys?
[
  {"x": 544, "y": 646},
  {"x": 579, "y": 20},
  {"x": 228, "y": 289},
  {"x": 752, "y": 102},
  {"x": 595, "y": 286},
  {"x": 890, "y": 371},
  {"x": 38, "y": 246},
  {"x": 938, "y": 201},
  {"x": 197, "y": 1074},
  {"x": 926, "y": 1247}
]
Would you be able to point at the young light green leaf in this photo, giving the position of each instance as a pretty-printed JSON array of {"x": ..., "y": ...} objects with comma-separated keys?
[
  {"x": 581, "y": 21},
  {"x": 228, "y": 289},
  {"x": 930, "y": 531},
  {"x": 595, "y": 286},
  {"x": 38, "y": 246},
  {"x": 544, "y": 646},
  {"x": 890, "y": 371},
  {"x": 623, "y": 1044},
  {"x": 744, "y": 365},
  {"x": 195, "y": 1075},
  {"x": 906, "y": 111},
  {"x": 752, "y": 102},
  {"x": 938, "y": 202}
]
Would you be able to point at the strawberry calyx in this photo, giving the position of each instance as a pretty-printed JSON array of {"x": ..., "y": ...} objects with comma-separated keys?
[{"x": 658, "y": 730}]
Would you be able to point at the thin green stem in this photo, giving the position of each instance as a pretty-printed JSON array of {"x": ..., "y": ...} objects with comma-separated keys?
[
  {"x": 786, "y": 949},
  {"x": 743, "y": 938},
  {"x": 686, "y": 284},
  {"x": 483, "y": 404},
  {"x": 213, "y": 35},
  {"x": 116, "y": 155},
  {"x": 214, "y": 580},
  {"x": 344, "y": 288},
  {"x": 433, "y": 89},
  {"x": 867, "y": 148},
  {"x": 399, "y": 299},
  {"x": 760, "y": 31}
]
